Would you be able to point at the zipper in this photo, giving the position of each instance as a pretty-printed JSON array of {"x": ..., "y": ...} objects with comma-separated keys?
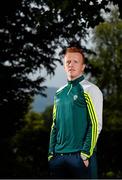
[{"x": 69, "y": 89}]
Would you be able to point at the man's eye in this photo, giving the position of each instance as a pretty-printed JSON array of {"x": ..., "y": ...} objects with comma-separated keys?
[{"x": 68, "y": 62}]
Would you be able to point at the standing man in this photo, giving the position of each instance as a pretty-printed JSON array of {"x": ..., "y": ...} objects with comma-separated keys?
[{"x": 77, "y": 122}]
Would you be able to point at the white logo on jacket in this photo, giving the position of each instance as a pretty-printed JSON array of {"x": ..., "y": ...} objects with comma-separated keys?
[{"x": 75, "y": 97}]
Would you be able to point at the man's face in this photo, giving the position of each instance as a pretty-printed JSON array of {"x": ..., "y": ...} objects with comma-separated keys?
[{"x": 73, "y": 65}]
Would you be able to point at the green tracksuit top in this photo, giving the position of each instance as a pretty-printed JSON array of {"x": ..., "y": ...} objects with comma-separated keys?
[{"x": 77, "y": 118}]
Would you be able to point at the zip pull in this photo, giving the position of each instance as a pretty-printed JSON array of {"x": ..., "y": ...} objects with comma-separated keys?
[{"x": 69, "y": 89}]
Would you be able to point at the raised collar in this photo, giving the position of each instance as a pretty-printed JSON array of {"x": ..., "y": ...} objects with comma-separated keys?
[{"x": 76, "y": 81}]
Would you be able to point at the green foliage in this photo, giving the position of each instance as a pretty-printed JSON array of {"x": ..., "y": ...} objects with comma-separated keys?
[
  {"x": 47, "y": 116},
  {"x": 30, "y": 145},
  {"x": 34, "y": 120},
  {"x": 107, "y": 72},
  {"x": 30, "y": 148},
  {"x": 118, "y": 2},
  {"x": 108, "y": 62}
]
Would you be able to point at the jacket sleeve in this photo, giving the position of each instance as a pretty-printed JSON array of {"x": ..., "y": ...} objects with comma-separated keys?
[
  {"x": 94, "y": 100},
  {"x": 53, "y": 133}
]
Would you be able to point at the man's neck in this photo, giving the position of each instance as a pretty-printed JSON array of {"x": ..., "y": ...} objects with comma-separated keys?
[{"x": 71, "y": 79}]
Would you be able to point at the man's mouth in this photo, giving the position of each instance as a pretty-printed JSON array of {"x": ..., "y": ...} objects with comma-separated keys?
[{"x": 71, "y": 70}]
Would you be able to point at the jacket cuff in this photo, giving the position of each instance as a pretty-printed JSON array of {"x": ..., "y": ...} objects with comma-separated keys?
[
  {"x": 50, "y": 155},
  {"x": 84, "y": 156}
]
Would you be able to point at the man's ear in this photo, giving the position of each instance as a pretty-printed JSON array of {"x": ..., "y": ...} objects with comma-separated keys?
[
  {"x": 64, "y": 67},
  {"x": 84, "y": 65}
]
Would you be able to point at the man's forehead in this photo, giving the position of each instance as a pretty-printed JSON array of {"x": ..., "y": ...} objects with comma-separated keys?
[{"x": 71, "y": 55}]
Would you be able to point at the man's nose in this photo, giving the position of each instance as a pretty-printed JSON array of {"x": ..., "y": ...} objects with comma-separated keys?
[{"x": 71, "y": 64}]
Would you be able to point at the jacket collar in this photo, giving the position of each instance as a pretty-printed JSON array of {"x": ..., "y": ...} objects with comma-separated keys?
[{"x": 76, "y": 81}]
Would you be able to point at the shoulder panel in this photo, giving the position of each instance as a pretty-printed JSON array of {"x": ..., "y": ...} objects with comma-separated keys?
[{"x": 61, "y": 88}]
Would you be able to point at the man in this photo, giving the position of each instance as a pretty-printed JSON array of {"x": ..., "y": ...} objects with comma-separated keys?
[{"x": 77, "y": 122}]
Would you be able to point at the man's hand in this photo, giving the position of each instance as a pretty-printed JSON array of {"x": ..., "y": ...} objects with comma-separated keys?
[{"x": 86, "y": 162}]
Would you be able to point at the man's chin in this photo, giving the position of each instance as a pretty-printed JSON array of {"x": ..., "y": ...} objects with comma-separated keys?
[{"x": 71, "y": 77}]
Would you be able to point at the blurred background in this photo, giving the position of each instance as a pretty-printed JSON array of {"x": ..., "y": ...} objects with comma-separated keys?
[{"x": 33, "y": 34}]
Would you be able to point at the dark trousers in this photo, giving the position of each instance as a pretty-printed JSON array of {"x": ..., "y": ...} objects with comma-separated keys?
[
  {"x": 68, "y": 166},
  {"x": 93, "y": 171},
  {"x": 71, "y": 166}
]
